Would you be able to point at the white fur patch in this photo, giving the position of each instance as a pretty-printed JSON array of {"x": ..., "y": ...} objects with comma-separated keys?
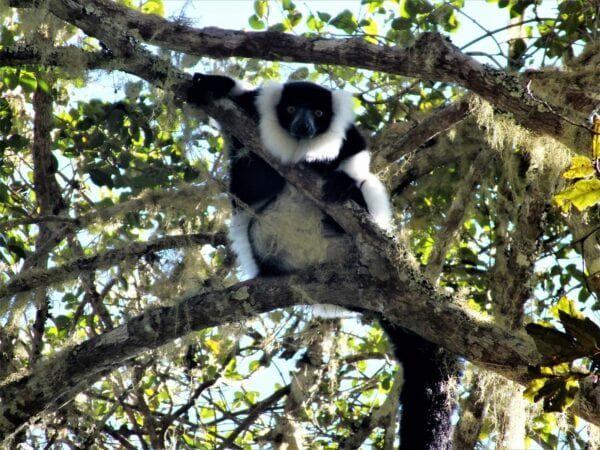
[
  {"x": 240, "y": 243},
  {"x": 280, "y": 144},
  {"x": 374, "y": 192},
  {"x": 378, "y": 202},
  {"x": 327, "y": 146},
  {"x": 290, "y": 232},
  {"x": 357, "y": 166},
  {"x": 343, "y": 110}
]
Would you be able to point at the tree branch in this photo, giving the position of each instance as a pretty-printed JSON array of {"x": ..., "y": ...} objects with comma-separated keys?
[
  {"x": 57, "y": 379},
  {"x": 64, "y": 57},
  {"x": 36, "y": 278},
  {"x": 432, "y": 57},
  {"x": 455, "y": 215},
  {"x": 393, "y": 145}
]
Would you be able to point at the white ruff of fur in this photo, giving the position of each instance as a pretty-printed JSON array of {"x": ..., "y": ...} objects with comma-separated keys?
[
  {"x": 238, "y": 235},
  {"x": 280, "y": 144},
  {"x": 374, "y": 192}
]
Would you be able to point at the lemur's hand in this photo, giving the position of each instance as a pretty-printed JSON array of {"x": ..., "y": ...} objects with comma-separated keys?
[{"x": 208, "y": 88}]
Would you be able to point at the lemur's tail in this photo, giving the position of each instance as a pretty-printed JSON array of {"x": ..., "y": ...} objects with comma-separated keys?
[{"x": 426, "y": 397}]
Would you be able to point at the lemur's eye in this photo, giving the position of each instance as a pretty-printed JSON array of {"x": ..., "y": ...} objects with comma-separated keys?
[
  {"x": 291, "y": 109},
  {"x": 318, "y": 113}
]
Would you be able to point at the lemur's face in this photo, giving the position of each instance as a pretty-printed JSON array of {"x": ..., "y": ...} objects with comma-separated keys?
[{"x": 305, "y": 110}]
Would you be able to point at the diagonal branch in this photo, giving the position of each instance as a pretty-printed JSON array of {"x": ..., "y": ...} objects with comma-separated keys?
[{"x": 393, "y": 144}]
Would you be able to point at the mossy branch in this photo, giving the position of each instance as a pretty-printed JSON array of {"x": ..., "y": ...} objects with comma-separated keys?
[
  {"x": 431, "y": 57},
  {"x": 41, "y": 278},
  {"x": 59, "y": 378}
]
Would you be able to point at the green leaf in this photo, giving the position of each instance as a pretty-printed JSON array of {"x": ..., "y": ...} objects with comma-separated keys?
[
  {"x": 43, "y": 85},
  {"x": 370, "y": 27},
  {"x": 533, "y": 388},
  {"x": 555, "y": 346},
  {"x": 63, "y": 323},
  {"x": 294, "y": 18},
  {"x": 114, "y": 119},
  {"x": 581, "y": 167},
  {"x": 410, "y": 8},
  {"x": 401, "y": 23},
  {"x": 583, "y": 194},
  {"x": 7, "y": 37},
  {"x": 260, "y": 8},
  {"x": 313, "y": 23},
  {"x": 189, "y": 440},
  {"x": 28, "y": 82},
  {"x": 557, "y": 393},
  {"x": 6, "y": 116},
  {"x": 584, "y": 330},
  {"x": 101, "y": 177},
  {"x": 299, "y": 74},
  {"x": 567, "y": 306},
  {"x": 153, "y": 7},
  {"x": 10, "y": 79},
  {"x": 288, "y": 5},
  {"x": 256, "y": 23},
  {"x": 3, "y": 199},
  {"x": 345, "y": 21},
  {"x": 279, "y": 27},
  {"x": 17, "y": 250},
  {"x": 324, "y": 16}
]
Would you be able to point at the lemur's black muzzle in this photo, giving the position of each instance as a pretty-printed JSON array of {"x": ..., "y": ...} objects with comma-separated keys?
[{"x": 303, "y": 125}]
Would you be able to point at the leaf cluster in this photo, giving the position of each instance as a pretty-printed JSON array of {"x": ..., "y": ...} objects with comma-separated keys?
[{"x": 554, "y": 382}]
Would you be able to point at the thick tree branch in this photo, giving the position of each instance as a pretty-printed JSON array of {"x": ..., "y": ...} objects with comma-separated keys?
[
  {"x": 49, "y": 201},
  {"x": 432, "y": 57},
  {"x": 56, "y": 380}
]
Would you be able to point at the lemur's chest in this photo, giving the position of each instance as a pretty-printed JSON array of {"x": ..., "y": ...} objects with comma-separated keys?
[{"x": 291, "y": 233}]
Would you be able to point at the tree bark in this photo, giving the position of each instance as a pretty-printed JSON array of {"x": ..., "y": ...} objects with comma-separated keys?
[
  {"x": 432, "y": 57},
  {"x": 58, "y": 379}
]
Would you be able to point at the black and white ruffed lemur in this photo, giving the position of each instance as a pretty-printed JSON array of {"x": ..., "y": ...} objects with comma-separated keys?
[{"x": 275, "y": 230}]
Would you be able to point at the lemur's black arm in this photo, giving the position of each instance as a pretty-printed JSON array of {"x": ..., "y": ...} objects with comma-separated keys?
[
  {"x": 208, "y": 88},
  {"x": 251, "y": 180}
]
